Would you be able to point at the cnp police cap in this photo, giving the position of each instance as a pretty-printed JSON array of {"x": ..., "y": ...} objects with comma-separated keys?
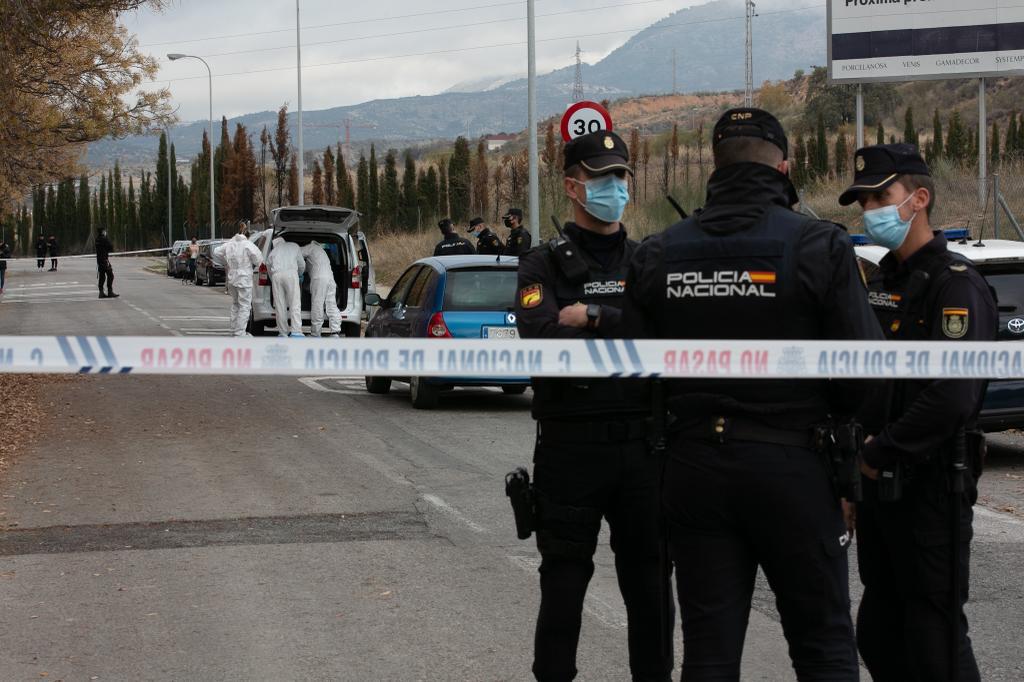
[
  {"x": 517, "y": 212},
  {"x": 474, "y": 222},
  {"x": 598, "y": 153},
  {"x": 877, "y": 167},
  {"x": 749, "y": 122}
]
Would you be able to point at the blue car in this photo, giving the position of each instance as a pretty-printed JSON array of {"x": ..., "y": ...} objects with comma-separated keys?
[{"x": 449, "y": 297}]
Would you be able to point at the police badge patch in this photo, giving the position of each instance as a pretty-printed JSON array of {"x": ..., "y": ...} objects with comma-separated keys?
[
  {"x": 531, "y": 296},
  {"x": 954, "y": 322}
]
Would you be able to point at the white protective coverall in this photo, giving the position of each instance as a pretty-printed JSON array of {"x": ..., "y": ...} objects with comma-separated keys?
[
  {"x": 286, "y": 266},
  {"x": 322, "y": 289},
  {"x": 240, "y": 257}
]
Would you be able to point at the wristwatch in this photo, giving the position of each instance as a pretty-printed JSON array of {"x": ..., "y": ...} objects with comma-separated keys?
[{"x": 593, "y": 313}]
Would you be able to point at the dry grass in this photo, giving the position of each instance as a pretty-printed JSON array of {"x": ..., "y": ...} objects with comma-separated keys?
[{"x": 393, "y": 252}]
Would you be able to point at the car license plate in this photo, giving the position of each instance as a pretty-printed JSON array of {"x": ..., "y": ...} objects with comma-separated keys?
[{"x": 501, "y": 333}]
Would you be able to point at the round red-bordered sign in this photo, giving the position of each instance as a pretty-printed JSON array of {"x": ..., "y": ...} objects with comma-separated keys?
[{"x": 584, "y": 117}]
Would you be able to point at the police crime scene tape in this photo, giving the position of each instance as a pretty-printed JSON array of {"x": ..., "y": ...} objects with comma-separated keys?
[
  {"x": 483, "y": 359},
  {"x": 27, "y": 259}
]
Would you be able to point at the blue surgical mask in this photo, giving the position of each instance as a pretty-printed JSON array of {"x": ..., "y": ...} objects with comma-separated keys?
[
  {"x": 607, "y": 197},
  {"x": 475, "y": 233},
  {"x": 885, "y": 226}
]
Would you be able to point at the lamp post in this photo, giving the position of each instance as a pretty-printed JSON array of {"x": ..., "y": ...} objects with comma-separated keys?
[
  {"x": 298, "y": 63},
  {"x": 174, "y": 56}
]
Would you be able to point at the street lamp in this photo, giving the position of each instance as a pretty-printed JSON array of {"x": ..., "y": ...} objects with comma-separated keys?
[{"x": 174, "y": 56}]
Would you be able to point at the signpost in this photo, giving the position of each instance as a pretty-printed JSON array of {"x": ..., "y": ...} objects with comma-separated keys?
[{"x": 584, "y": 117}]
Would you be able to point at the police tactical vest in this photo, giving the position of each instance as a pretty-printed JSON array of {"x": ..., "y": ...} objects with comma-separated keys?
[
  {"x": 583, "y": 398},
  {"x": 740, "y": 285}
]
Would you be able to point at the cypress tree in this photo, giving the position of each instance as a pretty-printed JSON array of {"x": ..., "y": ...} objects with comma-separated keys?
[
  {"x": 821, "y": 165},
  {"x": 909, "y": 130},
  {"x": 317, "y": 196},
  {"x": 880, "y": 133},
  {"x": 330, "y": 192},
  {"x": 842, "y": 163},
  {"x": 160, "y": 197},
  {"x": 410, "y": 194},
  {"x": 442, "y": 190},
  {"x": 131, "y": 216},
  {"x": 389, "y": 193},
  {"x": 938, "y": 148},
  {"x": 346, "y": 193},
  {"x": 373, "y": 187},
  {"x": 459, "y": 181},
  {"x": 82, "y": 217},
  {"x": 799, "y": 172},
  {"x": 293, "y": 180},
  {"x": 52, "y": 217},
  {"x": 363, "y": 187},
  {"x": 957, "y": 144}
]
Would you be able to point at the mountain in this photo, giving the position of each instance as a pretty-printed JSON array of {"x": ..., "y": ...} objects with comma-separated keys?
[{"x": 709, "y": 47}]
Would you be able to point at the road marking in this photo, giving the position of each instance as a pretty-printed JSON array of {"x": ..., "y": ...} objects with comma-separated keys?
[
  {"x": 71, "y": 291},
  {"x": 4, "y": 299},
  {"x": 152, "y": 318},
  {"x": 195, "y": 318},
  {"x": 607, "y": 614},
  {"x": 349, "y": 385},
  {"x": 50, "y": 285},
  {"x": 453, "y": 512}
]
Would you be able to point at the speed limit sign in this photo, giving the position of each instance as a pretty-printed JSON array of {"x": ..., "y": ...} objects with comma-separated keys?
[{"x": 584, "y": 117}]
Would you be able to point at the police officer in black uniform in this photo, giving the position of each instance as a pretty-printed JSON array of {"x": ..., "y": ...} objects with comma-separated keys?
[
  {"x": 519, "y": 239},
  {"x": 911, "y": 624},
  {"x": 104, "y": 270},
  {"x": 452, "y": 244},
  {"x": 591, "y": 459},
  {"x": 487, "y": 243},
  {"x": 745, "y": 485}
]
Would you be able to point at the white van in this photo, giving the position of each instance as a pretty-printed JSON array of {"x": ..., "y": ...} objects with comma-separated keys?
[{"x": 337, "y": 229}]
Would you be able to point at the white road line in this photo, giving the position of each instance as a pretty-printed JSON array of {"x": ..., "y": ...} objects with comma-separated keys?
[
  {"x": 72, "y": 291},
  {"x": 49, "y": 285},
  {"x": 153, "y": 319},
  {"x": 351, "y": 385},
  {"x": 6, "y": 300},
  {"x": 195, "y": 318},
  {"x": 453, "y": 512}
]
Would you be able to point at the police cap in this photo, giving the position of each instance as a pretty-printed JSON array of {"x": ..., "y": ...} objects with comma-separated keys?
[
  {"x": 877, "y": 167},
  {"x": 474, "y": 222},
  {"x": 598, "y": 153},
  {"x": 517, "y": 212},
  {"x": 750, "y": 122}
]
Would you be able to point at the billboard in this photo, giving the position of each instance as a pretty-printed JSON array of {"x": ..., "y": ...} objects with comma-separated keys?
[{"x": 902, "y": 40}]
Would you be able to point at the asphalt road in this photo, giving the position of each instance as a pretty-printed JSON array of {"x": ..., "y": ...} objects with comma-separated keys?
[{"x": 279, "y": 529}]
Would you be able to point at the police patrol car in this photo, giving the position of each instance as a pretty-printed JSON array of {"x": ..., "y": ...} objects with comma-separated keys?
[{"x": 1001, "y": 262}]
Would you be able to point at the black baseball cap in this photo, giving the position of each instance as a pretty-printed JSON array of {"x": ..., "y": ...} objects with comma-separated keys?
[
  {"x": 750, "y": 122},
  {"x": 445, "y": 224},
  {"x": 517, "y": 212},
  {"x": 598, "y": 153},
  {"x": 877, "y": 167},
  {"x": 474, "y": 222}
]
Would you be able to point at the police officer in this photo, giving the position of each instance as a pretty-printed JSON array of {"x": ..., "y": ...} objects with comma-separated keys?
[
  {"x": 487, "y": 243},
  {"x": 104, "y": 270},
  {"x": 452, "y": 244},
  {"x": 519, "y": 239},
  {"x": 591, "y": 459},
  {"x": 911, "y": 624},
  {"x": 744, "y": 484}
]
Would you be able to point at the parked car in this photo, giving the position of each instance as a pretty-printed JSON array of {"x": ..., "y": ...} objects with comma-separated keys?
[
  {"x": 1001, "y": 262},
  {"x": 463, "y": 297},
  {"x": 338, "y": 230},
  {"x": 172, "y": 256},
  {"x": 209, "y": 269}
]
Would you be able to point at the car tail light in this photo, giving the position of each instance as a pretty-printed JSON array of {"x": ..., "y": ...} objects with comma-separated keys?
[
  {"x": 357, "y": 282},
  {"x": 263, "y": 279},
  {"x": 437, "y": 329}
]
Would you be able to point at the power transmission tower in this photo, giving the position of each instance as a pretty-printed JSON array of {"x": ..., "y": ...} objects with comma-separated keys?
[
  {"x": 749, "y": 97},
  {"x": 577, "y": 86}
]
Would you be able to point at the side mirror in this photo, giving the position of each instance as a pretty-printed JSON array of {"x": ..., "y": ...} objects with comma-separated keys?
[{"x": 372, "y": 299}]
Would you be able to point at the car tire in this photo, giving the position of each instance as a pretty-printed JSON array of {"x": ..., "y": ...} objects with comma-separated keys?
[
  {"x": 424, "y": 396},
  {"x": 378, "y": 385},
  {"x": 350, "y": 329},
  {"x": 514, "y": 390}
]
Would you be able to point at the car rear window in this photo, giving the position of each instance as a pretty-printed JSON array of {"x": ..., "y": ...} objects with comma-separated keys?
[
  {"x": 483, "y": 289},
  {"x": 1008, "y": 281},
  {"x": 313, "y": 215}
]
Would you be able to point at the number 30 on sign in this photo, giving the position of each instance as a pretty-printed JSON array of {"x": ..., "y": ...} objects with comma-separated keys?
[{"x": 584, "y": 117}]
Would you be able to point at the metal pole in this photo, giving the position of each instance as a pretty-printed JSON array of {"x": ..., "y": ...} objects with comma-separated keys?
[
  {"x": 531, "y": 52},
  {"x": 982, "y": 145},
  {"x": 170, "y": 184},
  {"x": 213, "y": 212},
  {"x": 860, "y": 116},
  {"x": 995, "y": 213},
  {"x": 298, "y": 56}
]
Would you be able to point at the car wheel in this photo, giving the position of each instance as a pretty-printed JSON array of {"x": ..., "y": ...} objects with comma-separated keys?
[
  {"x": 424, "y": 395},
  {"x": 350, "y": 329},
  {"x": 514, "y": 390},
  {"x": 378, "y": 385}
]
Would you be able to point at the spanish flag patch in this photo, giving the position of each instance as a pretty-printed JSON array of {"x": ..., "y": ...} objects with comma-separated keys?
[
  {"x": 761, "y": 277},
  {"x": 531, "y": 296}
]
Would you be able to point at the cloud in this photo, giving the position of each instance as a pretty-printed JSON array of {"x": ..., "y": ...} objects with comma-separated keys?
[{"x": 262, "y": 35}]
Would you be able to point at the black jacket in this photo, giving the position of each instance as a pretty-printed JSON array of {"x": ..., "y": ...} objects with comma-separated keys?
[
  {"x": 103, "y": 249},
  {"x": 519, "y": 241},
  {"x": 40, "y": 248},
  {"x": 454, "y": 245},
  {"x": 488, "y": 244}
]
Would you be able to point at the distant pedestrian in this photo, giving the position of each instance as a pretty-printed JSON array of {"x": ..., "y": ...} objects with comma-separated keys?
[
  {"x": 5, "y": 253},
  {"x": 487, "y": 243},
  {"x": 240, "y": 257},
  {"x": 452, "y": 244},
  {"x": 193, "y": 257},
  {"x": 40, "y": 252},
  {"x": 104, "y": 269},
  {"x": 54, "y": 248}
]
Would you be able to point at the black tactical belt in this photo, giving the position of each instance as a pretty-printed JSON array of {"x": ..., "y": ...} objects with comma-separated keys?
[
  {"x": 593, "y": 432},
  {"x": 727, "y": 429}
]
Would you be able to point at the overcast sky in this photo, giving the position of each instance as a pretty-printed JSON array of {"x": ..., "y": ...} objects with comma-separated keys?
[{"x": 348, "y": 31}]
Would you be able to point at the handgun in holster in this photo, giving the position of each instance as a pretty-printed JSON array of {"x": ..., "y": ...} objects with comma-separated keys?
[
  {"x": 520, "y": 494},
  {"x": 841, "y": 445}
]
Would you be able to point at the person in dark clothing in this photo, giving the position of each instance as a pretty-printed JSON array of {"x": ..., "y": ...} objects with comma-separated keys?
[
  {"x": 519, "y": 239},
  {"x": 591, "y": 459},
  {"x": 487, "y": 243},
  {"x": 5, "y": 253},
  {"x": 452, "y": 244},
  {"x": 103, "y": 267},
  {"x": 40, "y": 252},
  {"x": 911, "y": 623},
  {"x": 54, "y": 249},
  {"x": 744, "y": 485}
]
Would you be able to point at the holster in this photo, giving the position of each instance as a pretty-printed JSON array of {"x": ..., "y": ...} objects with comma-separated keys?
[
  {"x": 841, "y": 445},
  {"x": 524, "y": 507}
]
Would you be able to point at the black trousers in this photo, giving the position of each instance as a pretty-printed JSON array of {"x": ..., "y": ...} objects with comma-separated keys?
[
  {"x": 578, "y": 484},
  {"x": 733, "y": 507},
  {"x": 903, "y": 550},
  {"x": 106, "y": 274},
  {"x": 53, "y": 263},
  {"x": 40, "y": 262}
]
